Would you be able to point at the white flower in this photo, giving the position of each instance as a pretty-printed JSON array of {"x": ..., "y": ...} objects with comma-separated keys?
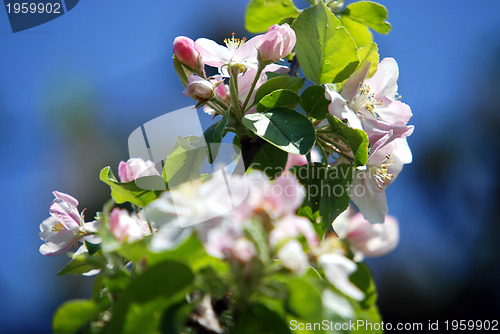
[
  {"x": 292, "y": 256},
  {"x": 64, "y": 227},
  {"x": 337, "y": 270}
]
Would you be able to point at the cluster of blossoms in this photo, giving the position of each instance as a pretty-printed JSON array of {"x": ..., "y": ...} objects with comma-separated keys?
[
  {"x": 372, "y": 104},
  {"x": 255, "y": 233},
  {"x": 223, "y": 226},
  {"x": 246, "y": 62}
]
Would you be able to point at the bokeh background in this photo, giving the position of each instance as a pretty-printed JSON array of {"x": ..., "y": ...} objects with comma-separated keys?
[{"x": 72, "y": 90}]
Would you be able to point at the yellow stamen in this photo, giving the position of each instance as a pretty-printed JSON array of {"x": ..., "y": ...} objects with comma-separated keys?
[{"x": 234, "y": 43}]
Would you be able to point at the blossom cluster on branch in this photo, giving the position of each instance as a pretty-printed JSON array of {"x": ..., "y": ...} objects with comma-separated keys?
[{"x": 242, "y": 252}]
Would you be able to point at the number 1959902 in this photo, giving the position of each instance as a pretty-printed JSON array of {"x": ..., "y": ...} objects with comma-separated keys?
[{"x": 25, "y": 7}]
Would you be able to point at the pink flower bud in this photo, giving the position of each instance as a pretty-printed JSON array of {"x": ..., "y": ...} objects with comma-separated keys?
[
  {"x": 135, "y": 168},
  {"x": 185, "y": 52},
  {"x": 367, "y": 239},
  {"x": 199, "y": 89},
  {"x": 277, "y": 43},
  {"x": 127, "y": 228}
]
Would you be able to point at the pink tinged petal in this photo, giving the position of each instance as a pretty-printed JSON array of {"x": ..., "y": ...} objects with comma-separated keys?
[
  {"x": 124, "y": 227},
  {"x": 285, "y": 195},
  {"x": 355, "y": 81},
  {"x": 243, "y": 250},
  {"x": 212, "y": 53},
  {"x": 275, "y": 68},
  {"x": 135, "y": 168},
  {"x": 219, "y": 241},
  {"x": 384, "y": 81},
  {"x": 377, "y": 129},
  {"x": 338, "y": 108},
  {"x": 292, "y": 227},
  {"x": 373, "y": 239},
  {"x": 393, "y": 112},
  {"x": 371, "y": 201},
  {"x": 65, "y": 197},
  {"x": 66, "y": 213},
  {"x": 247, "y": 52},
  {"x": 337, "y": 270},
  {"x": 401, "y": 151},
  {"x": 301, "y": 160},
  {"x": 271, "y": 47},
  {"x": 295, "y": 160},
  {"x": 199, "y": 88},
  {"x": 58, "y": 243}
]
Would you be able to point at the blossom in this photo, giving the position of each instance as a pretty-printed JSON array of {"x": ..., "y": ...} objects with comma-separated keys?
[
  {"x": 367, "y": 190},
  {"x": 127, "y": 228},
  {"x": 278, "y": 199},
  {"x": 367, "y": 239},
  {"x": 337, "y": 270},
  {"x": 64, "y": 227},
  {"x": 177, "y": 211},
  {"x": 235, "y": 52},
  {"x": 372, "y": 104},
  {"x": 199, "y": 89},
  {"x": 185, "y": 51},
  {"x": 292, "y": 256},
  {"x": 135, "y": 168},
  {"x": 277, "y": 43},
  {"x": 292, "y": 226}
]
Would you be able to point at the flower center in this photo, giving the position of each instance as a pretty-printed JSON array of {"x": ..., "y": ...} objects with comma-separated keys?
[
  {"x": 234, "y": 43},
  {"x": 365, "y": 99},
  {"x": 380, "y": 172},
  {"x": 58, "y": 227}
]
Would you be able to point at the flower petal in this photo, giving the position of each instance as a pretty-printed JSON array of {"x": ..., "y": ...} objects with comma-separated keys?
[
  {"x": 385, "y": 80},
  {"x": 212, "y": 53}
]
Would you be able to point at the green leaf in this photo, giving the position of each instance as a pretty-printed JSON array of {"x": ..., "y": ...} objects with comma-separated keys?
[
  {"x": 167, "y": 279},
  {"x": 213, "y": 136},
  {"x": 369, "y": 53},
  {"x": 261, "y": 14},
  {"x": 191, "y": 252},
  {"x": 82, "y": 264},
  {"x": 278, "y": 98},
  {"x": 363, "y": 279},
  {"x": 325, "y": 50},
  {"x": 73, "y": 315},
  {"x": 355, "y": 138},
  {"x": 284, "y": 128},
  {"x": 127, "y": 192},
  {"x": 145, "y": 317},
  {"x": 185, "y": 160},
  {"x": 260, "y": 319},
  {"x": 360, "y": 32},
  {"x": 270, "y": 159},
  {"x": 304, "y": 300},
  {"x": 326, "y": 189},
  {"x": 372, "y": 14},
  {"x": 314, "y": 102},
  {"x": 181, "y": 71},
  {"x": 279, "y": 82}
]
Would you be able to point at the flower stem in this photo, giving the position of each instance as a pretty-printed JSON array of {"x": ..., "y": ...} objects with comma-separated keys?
[
  {"x": 233, "y": 87},
  {"x": 254, "y": 83}
]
